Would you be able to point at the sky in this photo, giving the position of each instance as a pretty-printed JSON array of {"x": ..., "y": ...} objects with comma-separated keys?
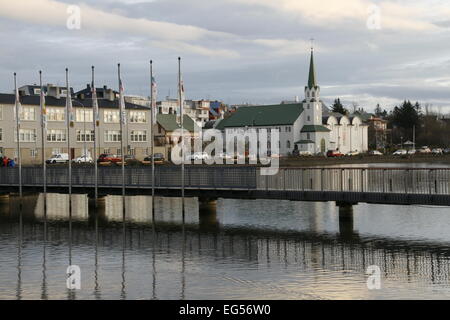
[{"x": 236, "y": 51}]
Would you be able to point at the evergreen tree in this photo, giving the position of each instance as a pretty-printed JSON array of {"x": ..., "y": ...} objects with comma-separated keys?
[{"x": 338, "y": 107}]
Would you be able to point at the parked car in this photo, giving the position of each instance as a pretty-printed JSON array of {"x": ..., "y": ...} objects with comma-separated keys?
[
  {"x": 334, "y": 153},
  {"x": 400, "y": 152},
  {"x": 375, "y": 153},
  {"x": 105, "y": 157},
  {"x": 424, "y": 150},
  {"x": 157, "y": 157},
  {"x": 412, "y": 151},
  {"x": 305, "y": 153},
  {"x": 446, "y": 151},
  {"x": 59, "y": 158},
  {"x": 352, "y": 153},
  {"x": 437, "y": 151},
  {"x": 83, "y": 159}
]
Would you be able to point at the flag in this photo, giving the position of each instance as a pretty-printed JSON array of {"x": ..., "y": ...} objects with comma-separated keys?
[
  {"x": 153, "y": 102},
  {"x": 69, "y": 108},
  {"x": 181, "y": 88},
  {"x": 18, "y": 108},
  {"x": 43, "y": 110},
  {"x": 95, "y": 105},
  {"x": 123, "y": 116}
]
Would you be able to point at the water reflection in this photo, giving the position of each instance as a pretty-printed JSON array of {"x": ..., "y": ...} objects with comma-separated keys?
[{"x": 229, "y": 249}]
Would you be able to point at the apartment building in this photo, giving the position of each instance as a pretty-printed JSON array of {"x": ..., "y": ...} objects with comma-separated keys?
[{"x": 137, "y": 138}]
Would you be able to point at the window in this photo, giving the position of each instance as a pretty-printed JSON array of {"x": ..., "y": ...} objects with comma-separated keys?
[
  {"x": 85, "y": 135},
  {"x": 288, "y": 129},
  {"x": 106, "y": 150},
  {"x": 112, "y": 136},
  {"x": 138, "y": 135},
  {"x": 1, "y": 134},
  {"x": 308, "y": 136},
  {"x": 288, "y": 144},
  {"x": 56, "y": 151},
  {"x": 56, "y": 114},
  {"x": 138, "y": 117},
  {"x": 314, "y": 94},
  {"x": 56, "y": 135},
  {"x": 33, "y": 153},
  {"x": 111, "y": 116},
  {"x": 132, "y": 151},
  {"x": 28, "y": 113},
  {"x": 83, "y": 115},
  {"x": 119, "y": 151},
  {"x": 309, "y": 118},
  {"x": 26, "y": 135}
]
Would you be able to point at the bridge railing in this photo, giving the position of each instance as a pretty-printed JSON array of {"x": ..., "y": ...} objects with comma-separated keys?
[{"x": 380, "y": 180}]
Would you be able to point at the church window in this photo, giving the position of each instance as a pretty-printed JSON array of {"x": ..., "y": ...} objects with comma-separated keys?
[
  {"x": 309, "y": 118},
  {"x": 313, "y": 94},
  {"x": 288, "y": 144},
  {"x": 308, "y": 136}
]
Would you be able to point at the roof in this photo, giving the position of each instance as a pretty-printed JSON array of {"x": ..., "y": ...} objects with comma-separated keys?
[
  {"x": 312, "y": 83},
  {"x": 169, "y": 122},
  {"x": 314, "y": 128},
  {"x": 364, "y": 116},
  {"x": 61, "y": 102},
  {"x": 270, "y": 115},
  {"x": 304, "y": 142}
]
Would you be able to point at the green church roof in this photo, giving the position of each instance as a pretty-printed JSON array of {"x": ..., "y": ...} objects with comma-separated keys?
[
  {"x": 314, "y": 128},
  {"x": 270, "y": 115},
  {"x": 312, "y": 83}
]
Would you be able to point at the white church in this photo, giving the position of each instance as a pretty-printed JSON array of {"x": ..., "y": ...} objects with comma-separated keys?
[{"x": 303, "y": 126}]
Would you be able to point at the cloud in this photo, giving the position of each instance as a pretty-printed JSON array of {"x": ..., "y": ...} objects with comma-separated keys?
[
  {"x": 54, "y": 13},
  {"x": 201, "y": 50},
  {"x": 329, "y": 13}
]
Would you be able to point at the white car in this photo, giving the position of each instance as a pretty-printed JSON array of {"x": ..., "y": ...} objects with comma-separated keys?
[
  {"x": 58, "y": 158},
  {"x": 83, "y": 159},
  {"x": 424, "y": 149},
  {"x": 400, "y": 152},
  {"x": 305, "y": 153},
  {"x": 197, "y": 156},
  {"x": 437, "y": 151},
  {"x": 352, "y": 153},
  {"x": 412, "y": 151},
  {"x": 375, "y": 153}
]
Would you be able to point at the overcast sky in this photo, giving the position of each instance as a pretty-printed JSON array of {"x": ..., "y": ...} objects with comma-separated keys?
[{"x": 237, "y": 51}]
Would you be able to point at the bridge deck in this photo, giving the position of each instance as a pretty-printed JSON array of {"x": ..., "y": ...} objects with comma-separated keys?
[{"x": 428, "y": 186}]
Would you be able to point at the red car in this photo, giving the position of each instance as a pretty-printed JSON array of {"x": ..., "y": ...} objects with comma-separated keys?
[
  {"x": 334, "y": 153},
  {"x": 104, "y": 157}
]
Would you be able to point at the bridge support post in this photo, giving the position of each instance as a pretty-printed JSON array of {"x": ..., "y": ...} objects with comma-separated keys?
[
  {"x": 4, "y": 204},
  {"x": 97, "y": 206},
  {"x": 346, "y": 219},
  {"x": 208, "y": 213}
]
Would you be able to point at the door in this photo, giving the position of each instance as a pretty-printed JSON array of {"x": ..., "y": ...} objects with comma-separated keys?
[{"x": 322, "y": 145}]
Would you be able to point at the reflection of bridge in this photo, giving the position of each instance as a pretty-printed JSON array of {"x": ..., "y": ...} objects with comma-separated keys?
[{"x": 343, "y": 185}]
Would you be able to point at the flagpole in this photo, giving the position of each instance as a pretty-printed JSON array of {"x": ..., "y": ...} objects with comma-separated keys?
[
  {"x": 122, "y": 120},
  {"x": 94, "y": 116},
  {"x": 182, "y": 137},
  {"x": 68, "y": 120},
  {"x": 152, "y": 142},
  {"x": 19, "y": 160},
  {"x": 43, "y": 136}
]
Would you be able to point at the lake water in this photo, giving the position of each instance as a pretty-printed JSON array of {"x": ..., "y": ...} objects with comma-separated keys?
[{"x": 231, "y": 249}]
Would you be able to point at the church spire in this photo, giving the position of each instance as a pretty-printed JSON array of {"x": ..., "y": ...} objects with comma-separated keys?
[{"x": 312, "y": 72}]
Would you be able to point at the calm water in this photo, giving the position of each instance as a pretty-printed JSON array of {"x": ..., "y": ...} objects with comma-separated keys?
[{"x": 236, "y": 249}]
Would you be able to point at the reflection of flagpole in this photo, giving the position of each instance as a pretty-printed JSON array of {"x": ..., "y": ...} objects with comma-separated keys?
[
  {"x": 69, "y": 120},
  {"x": 152, "y": 137},
  {"x": 122, "y": 123},
  {"x": 182, "y": 135},
  {"x": 43, "y": 136},
  {"x": 95, "y": 123},
  {"x": 19, "y": 160}
]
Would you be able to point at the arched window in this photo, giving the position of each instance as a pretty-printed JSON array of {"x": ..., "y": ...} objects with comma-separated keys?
[{"x": 288, "y": 144}]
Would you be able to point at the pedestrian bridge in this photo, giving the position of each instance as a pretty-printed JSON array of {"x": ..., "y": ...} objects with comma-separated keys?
[{"x": 424, "y": 186}]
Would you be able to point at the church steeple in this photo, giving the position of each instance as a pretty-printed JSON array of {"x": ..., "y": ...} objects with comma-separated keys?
[{"x": 312, "y": 72}]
